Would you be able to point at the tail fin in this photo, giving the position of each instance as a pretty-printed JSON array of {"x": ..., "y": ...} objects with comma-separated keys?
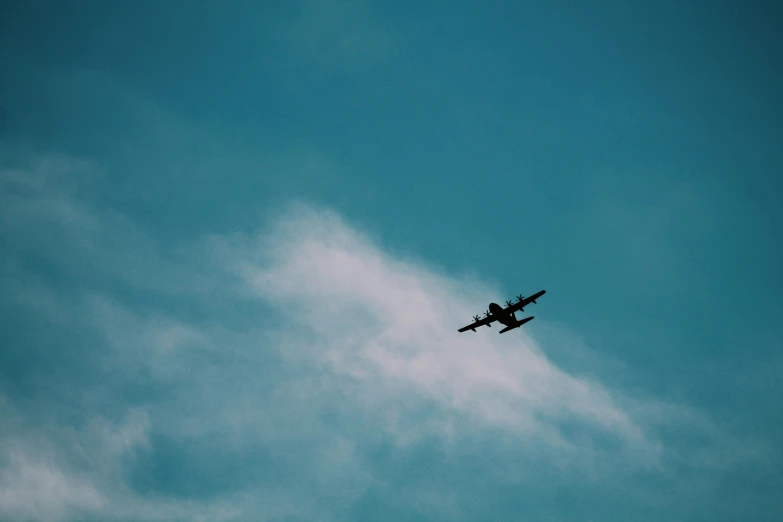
[{"x": 519, "y": 323}]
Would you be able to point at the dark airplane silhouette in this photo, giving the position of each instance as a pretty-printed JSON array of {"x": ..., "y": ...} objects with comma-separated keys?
[{"x": 504, "y": 315}]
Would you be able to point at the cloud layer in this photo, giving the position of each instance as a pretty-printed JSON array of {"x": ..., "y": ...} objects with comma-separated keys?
[
  {"x": 289, "y": 372},
  {"x": 391, "y": 325}
]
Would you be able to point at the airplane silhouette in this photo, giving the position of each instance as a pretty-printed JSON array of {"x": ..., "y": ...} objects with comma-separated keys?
[{"x": 506, "y": 315}]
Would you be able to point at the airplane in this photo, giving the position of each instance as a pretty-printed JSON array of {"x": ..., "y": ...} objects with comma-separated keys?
[{"x": 504, "y": 315}]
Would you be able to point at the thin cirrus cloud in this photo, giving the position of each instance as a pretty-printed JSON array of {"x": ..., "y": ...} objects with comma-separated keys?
[
  {"x": 301, "y": 345},
  {"x": 392, "y": 324}
]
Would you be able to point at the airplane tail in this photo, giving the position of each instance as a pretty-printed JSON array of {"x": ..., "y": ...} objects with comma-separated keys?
[{"x": 519, "y": 323}]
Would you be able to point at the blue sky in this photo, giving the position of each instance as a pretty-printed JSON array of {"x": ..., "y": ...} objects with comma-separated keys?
[{"x": 238, "y": 240}]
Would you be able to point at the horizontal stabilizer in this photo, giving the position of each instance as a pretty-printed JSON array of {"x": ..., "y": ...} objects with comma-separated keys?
[{"x": 520, "y": 323}]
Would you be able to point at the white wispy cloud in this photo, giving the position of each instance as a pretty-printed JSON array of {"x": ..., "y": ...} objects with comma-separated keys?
[
  {"x": 306, "y": 343},
  {"x": 392, "y": 325},
  {"x": 54, "y": 472},
  {"x": 33, "y": 489}
]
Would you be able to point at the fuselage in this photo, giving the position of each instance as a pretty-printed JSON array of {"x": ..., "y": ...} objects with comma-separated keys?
[{"x": 503, "y": 315}]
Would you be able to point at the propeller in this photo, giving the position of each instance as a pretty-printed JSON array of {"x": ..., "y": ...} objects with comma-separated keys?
[
  {"x": 520, "y": 298},
  {"x": 487, "y": 314},
  {"x": 476, "y": 318},
  {"x": 509, "y": 303}
]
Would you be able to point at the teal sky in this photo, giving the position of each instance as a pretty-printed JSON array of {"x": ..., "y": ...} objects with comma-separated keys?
[{"x": 238, "y": 239}]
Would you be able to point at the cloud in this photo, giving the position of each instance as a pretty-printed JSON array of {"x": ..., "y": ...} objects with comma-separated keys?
[
  {"x": 55, "y": 471},
  {"x": 286, "y": 372},
  {"x": 391, "y": 325},
  {"x": 31, "y": 489},
  {"x": 51, "y": 472}
]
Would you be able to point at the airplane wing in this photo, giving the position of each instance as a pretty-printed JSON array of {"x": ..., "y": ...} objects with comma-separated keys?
[
  {"x": 480, "y": 322},
  {"x": 519, "y": 305}
]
